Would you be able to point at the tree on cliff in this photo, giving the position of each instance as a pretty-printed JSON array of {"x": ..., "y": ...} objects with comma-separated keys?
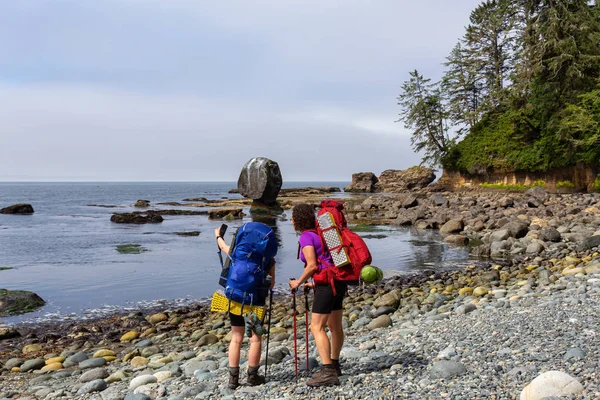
[
  {"x": 425, "y": 114},
  {"x": 520, "y": 88}
]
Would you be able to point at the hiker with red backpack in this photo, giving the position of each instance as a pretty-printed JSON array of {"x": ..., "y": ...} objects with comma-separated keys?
[{"x": 327, "y": 309}]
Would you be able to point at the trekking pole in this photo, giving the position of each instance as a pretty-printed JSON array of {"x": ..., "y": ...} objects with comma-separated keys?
[
  {"x": 295, "y": 332},
  {"x": 306, "y": 322},
  {"x": 222, "y": 231},
  {"x": 268, "y": 332}
]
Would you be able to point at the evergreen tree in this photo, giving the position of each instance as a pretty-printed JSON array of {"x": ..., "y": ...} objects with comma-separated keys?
[
  {"x": 491, "y": 41},
  {"x": 569, "y": 33},
  {"x": 424, "y": 113},
  {"x": 462, "y": 89}
]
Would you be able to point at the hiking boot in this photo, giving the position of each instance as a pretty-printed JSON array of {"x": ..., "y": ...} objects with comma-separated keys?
[
  {"x": 336, "y": 365},
  {"x": 326, "y": 377},
  {"x": 234, "y": 377},
  {"x": 254, "y": 378}
]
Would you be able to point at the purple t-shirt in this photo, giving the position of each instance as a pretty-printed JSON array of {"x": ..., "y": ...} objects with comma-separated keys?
[{"x": 309, "y": 238}]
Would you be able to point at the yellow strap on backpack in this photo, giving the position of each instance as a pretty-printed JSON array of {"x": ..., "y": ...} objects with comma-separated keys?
[{"x": 220, "y": 303}]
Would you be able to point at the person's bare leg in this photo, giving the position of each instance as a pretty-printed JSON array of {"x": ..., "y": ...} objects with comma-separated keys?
[
  {"x": 254, "y": 352},
  {"x": 317, "y": 327},
  {"x": 334, "y": 322},
  {"x": 236, "y": 345},
  {"x": 234, "y": 355}
]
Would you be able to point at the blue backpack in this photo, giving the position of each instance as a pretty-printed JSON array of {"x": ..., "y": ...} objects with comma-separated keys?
[{"x": 250, "y": 261}]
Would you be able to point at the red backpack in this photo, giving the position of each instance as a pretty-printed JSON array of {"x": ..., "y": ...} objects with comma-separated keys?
[{"x": 348, "y": 250}]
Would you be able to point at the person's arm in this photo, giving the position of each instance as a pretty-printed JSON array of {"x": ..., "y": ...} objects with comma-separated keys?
[
  {"x": 221, "y": 242},
  {"x": 311, "y": 267}
]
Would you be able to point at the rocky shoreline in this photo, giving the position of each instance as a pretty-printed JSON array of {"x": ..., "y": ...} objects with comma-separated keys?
[{"x": 485, "y": 332}]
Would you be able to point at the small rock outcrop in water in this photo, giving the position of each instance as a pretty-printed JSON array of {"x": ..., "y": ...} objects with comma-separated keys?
[
  {"x": 400, "y": 180},
  {"x": 142, "y": 203},
  {"x": 260, "y": 180},
  {"x": 13, "y": 302},
  {"x": 133, "y": 218},
  {"x": 17, "y": 209},
  {"x": 362, "y": 182}
]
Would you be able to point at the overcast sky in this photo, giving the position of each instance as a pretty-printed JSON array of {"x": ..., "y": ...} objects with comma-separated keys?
[{"x": 168, "y": 90}]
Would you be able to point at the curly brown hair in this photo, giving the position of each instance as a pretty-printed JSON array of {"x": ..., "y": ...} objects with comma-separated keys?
[{"x": 304, "y": 217}]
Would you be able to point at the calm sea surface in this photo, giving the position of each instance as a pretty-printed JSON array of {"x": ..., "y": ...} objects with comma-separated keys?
[{"x": 66, "y": 251}]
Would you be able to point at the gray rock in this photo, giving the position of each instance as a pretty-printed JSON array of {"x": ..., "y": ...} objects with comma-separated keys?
[
  {"x": 92, "y": 363},
  {"x": 550, "y": 234},
  {"x": 537, "y": 192},
  {"x": 575, "y": 354},
  {"x": 452, "y": 226},
  {"x": 260, "y": 179},
  {"x": 383, "y": 310},
  {"x": 13, "y": 362},
  {"x": 499, "y": 235},
  {"x": 516, "y": 228},
  {"x": 98, "y": 373},
  {"x": 362, "y": 182},
  {"x": 144, "y": 343},
  {"x": 94, "y": 386},
  {"x": 534, "y": 248},
  {"x": 383, "y": 321},
  {"x": 30, "y": 365},
  {"x": 439, "y": 201},
  {"x": 137, "y": 396},
  {"x": 447, "y": 369},
  {"x": 75, "y": 359},
  {"x": 466, "y": 308},
  {"x": 589, "y": 242},
  {"x": 363, "y": 321}
]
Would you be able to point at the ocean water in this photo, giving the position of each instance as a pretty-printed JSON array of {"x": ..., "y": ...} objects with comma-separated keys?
[{"x": 66, "y": 251}]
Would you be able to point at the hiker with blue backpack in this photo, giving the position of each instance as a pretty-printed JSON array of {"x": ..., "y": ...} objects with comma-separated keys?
[
  {"x": 248, "y": 276},
  {"x": 327, "y": 308}
]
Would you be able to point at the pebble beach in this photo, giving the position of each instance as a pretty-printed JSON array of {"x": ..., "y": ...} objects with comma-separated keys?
[{"x": 521, "y": 323}]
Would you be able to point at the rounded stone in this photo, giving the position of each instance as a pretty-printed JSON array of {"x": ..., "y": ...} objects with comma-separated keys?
[
  {"x": 30, "y": 365},
  {"x": 139, "y": 361},
  {"x": 32, "y": 348},
  {"x": 551, "y": 383},
  {"x": 142, "y": 380},
  {"x": 54, "y": 360},
  {"x": 52, "y": 367},
  {"x": 104, "y": 353},
  {"x": 97, "y": 385},
  {"x": 92, "y": 363},
  {"x": 129, "y": 336},
  {"x": 92, "y": 375},
  {"x": 157, "y": 318},
  {"x": 480, "y": 291}
]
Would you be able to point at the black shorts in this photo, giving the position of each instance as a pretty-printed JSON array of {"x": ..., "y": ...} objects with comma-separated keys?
[
  {"x": 237, "y": 320},
  {"x": 325, "y": 302}
]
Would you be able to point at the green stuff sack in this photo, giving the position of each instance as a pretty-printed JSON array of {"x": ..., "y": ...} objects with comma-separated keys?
[{"x": 371, "y": 274}]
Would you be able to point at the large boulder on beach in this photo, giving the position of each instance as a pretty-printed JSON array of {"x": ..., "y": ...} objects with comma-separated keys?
[
  {"x": 394, "y": 181},
  {"x": 362, "y": 182},
  {"x": 551, "y": 384},
  {"x": 260, "y": 180},
  {"x": 17, "y": 209},
  {"x": 13, "y": 302}
]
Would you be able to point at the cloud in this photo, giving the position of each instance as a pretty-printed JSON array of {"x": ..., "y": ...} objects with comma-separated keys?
[
  {"x": 85, "y": 133},
  {"x": 180, "y": 90}
]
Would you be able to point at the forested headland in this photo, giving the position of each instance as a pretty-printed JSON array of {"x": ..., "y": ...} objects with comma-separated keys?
[{"x": 520, "y": 91}]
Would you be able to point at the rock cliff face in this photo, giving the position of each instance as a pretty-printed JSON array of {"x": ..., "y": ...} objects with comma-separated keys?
[
  {"x": 581, "y": 176},
  {"x": 362, "y": 182},
  {"x": 260, "y": 180},
  {"x": 393, "y": 181}
]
